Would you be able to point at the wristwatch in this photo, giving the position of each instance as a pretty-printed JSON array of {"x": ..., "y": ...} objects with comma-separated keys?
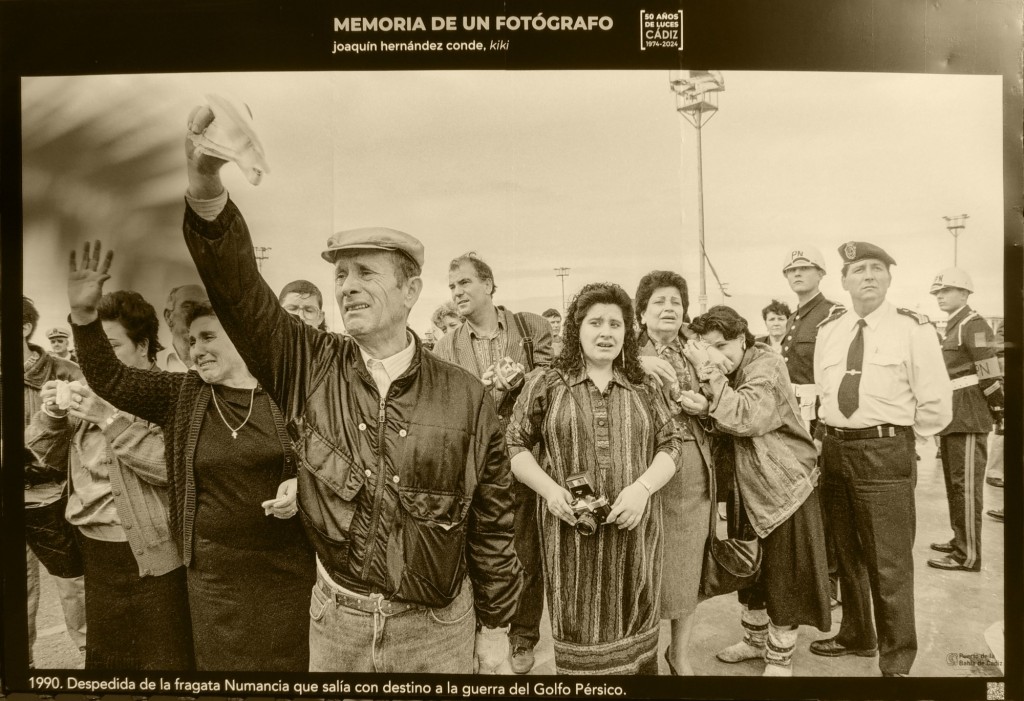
[{"x": 110, "y": 419}]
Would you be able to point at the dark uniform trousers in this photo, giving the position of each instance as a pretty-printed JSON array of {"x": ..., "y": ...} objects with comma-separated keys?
[
  {"x": 963, "y": 464},
  {"x": 868, "y": 488}
]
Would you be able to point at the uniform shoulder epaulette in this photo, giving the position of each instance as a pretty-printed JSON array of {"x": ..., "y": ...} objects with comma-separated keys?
[
  {"x": 916, "y": 316},
  {"x": 834, "y": 313}
]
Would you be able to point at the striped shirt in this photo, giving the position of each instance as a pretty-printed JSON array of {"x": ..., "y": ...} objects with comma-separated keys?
[{"x": 603, "y": 590}]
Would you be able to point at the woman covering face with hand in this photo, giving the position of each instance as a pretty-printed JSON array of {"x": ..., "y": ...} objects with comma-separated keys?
[
  {"x": 608, "y": 445},
  {"x": 231, "y": 472},
  {"x": 777, "y": 474}
]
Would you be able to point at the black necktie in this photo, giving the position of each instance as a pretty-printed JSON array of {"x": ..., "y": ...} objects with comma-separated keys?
[{"x": 849, "y": 388}]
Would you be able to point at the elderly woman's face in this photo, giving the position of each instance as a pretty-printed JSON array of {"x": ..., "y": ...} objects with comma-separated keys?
[
  {"x": 602, "y": 334},
  {"x": 731, "y": 349},
  {"x": 664, "y": 312},
  {"x": 214, "y": 355},
  {"x": 776, "y": 324}
]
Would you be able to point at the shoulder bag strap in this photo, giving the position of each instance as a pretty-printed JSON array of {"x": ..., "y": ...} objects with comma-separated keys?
[{"x": 527, "y": 340}]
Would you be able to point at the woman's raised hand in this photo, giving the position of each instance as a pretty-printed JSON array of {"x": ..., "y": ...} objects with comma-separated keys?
[{"x": 85, "y": 282}]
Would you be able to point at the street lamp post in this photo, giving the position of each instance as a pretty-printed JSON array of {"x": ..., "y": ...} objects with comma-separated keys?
[
  {"x": 562, "y": 273},
  {"x": 955, "y": 225},
  {"x": 261, "y": 255},
  {"x": 697, "y": 101}
]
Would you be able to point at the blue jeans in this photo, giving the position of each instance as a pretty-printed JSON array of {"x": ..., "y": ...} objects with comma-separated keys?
[{"x": 420, "y": 639}]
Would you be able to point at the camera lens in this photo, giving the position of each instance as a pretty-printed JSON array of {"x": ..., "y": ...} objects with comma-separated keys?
[{"x": 586, "y": 524}]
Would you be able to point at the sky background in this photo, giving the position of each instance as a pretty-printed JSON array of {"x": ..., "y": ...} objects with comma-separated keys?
[{"x": 533, "y": 170}]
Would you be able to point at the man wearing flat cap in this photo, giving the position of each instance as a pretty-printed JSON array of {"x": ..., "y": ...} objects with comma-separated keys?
[
  {"x": 58, "y": 337},
  {"x": 881, "y": 377},
  {"x": 405, "y": 485}
]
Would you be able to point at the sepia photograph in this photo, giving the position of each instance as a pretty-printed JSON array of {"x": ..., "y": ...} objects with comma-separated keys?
[{"x": 639, "y": 372}]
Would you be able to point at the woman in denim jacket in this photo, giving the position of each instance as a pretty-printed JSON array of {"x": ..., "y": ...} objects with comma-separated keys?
[{"x": 776, "y": 473}]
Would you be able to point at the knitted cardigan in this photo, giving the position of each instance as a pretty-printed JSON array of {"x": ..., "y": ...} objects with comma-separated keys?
[{"x": 177, "y": 402}]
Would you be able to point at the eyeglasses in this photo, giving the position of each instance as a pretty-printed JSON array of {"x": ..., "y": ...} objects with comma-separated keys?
[{"x": 310, "y": 312}]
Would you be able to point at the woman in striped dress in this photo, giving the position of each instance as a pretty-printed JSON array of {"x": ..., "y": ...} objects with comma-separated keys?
[{"x": 596, "y": 412}]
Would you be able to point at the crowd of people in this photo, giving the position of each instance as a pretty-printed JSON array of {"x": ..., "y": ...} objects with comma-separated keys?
[{"x": 375, "y": 498}]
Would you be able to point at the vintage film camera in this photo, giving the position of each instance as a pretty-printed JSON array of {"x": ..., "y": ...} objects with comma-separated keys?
[
  {"x": 590, "y": 509},
  {"x": 510, "y": 371}
]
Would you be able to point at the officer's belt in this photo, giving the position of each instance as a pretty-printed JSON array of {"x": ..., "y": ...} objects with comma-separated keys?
[
  {"x": 857, "y": 434},
  {"x": 965, "y": 381}
]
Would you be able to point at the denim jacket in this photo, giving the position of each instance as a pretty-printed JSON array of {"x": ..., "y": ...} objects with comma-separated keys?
[{"x": 776, "y": 462}]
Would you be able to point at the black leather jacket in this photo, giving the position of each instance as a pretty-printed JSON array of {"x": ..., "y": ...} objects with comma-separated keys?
[{"x": 402, "y": 495}]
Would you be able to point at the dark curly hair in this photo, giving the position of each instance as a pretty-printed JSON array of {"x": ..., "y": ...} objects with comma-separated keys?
[
  {"x": 776, "y": 307},
  {"x": 135, "y": 314},
  {"x": 29, "y": 314},
  {"x": 726, "y": 321},
  {"x": 571, "y": 360},
  {"x": 652, "y": 281}
]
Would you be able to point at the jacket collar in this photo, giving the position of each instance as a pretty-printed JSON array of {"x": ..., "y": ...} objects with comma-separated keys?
[
  {"x": 502, "y": 321},
  {"x": 355, "y": 360},
  {"x": 958, "y": 317},
  {"x": 41, "y": 369},
  {"x": 811, "y": 304}
]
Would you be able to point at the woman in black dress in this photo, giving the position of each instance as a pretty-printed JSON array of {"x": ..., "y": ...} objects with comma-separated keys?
[{"x": 231, "y": 471}]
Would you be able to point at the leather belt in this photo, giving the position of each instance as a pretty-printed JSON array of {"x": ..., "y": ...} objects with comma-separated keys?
[
  {"x": 857, "y": 434},
  {"x": 965, "y": 381},
  {"x": 370, "y": 602},
  {"x": 374, "y": 603}
]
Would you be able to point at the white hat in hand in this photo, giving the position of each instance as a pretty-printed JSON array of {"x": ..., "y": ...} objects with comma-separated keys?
[{"x": 231, "y": 136}]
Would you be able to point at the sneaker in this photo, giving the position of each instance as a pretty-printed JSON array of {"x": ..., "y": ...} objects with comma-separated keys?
[{"x": 521, "y": 659}]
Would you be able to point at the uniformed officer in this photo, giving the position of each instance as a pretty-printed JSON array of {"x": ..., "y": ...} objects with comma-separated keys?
[
  {"x": 804, "y": 268},
  {"x": 968, "y": 348},
  {"x": 880, "y": 376},
  {"x": 58, "y": 337}
]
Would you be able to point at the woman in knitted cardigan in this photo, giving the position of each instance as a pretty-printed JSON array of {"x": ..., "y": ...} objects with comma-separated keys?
[{"x": 230, "y": 468}]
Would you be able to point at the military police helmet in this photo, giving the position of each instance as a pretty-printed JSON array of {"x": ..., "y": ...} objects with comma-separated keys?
[
  {"x": 800, "y": 256},
  {"x": 952, "y": 277}
]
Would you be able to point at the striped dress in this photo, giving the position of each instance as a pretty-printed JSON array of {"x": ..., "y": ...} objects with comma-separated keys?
[{"x": 604, "y": 590}]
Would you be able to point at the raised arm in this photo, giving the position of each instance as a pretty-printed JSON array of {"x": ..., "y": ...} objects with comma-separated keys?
[
  {"x": 149, "y": 394},
  {"x": 286, "y": 356}
]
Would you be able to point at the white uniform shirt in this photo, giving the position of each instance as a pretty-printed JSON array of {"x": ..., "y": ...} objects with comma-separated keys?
[{"x": 904, "y": 380}]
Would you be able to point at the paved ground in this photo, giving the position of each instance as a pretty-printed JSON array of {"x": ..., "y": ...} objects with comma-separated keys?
[{"x": 957, "y": 612}]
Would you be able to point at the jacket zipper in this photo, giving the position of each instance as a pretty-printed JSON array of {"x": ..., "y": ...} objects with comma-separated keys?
[{"x": 378, "y": 493}]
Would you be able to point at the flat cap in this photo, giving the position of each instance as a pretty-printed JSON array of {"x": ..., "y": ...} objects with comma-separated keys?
[
  {"x": 378, "y": 238},
  {"x": 800, "y": 256},
  {"x": 853, "y": 251},
  {"x": 58, "y": 332}
]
